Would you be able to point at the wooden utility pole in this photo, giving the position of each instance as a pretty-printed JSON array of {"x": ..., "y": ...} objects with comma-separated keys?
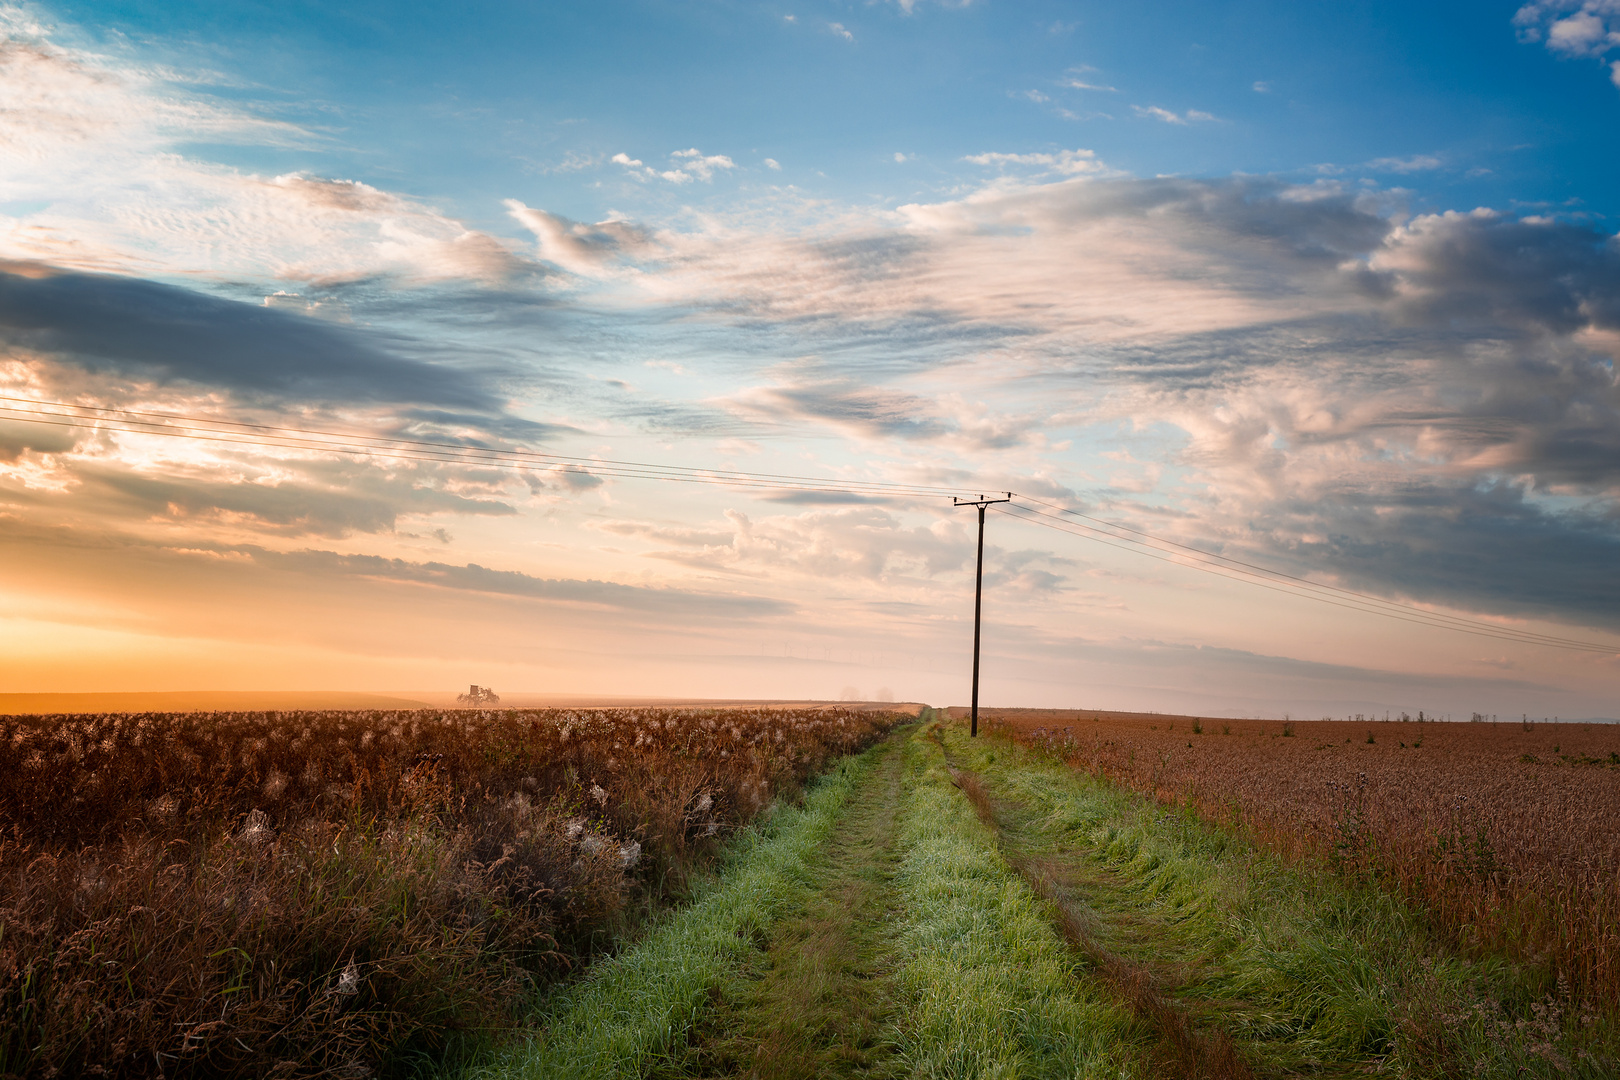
[{"x": 978, "y": 595}]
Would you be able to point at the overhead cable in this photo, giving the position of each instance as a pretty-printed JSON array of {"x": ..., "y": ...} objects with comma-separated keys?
[
  {"x": 1321, "y": 594},
  {"x": 1025, "y": 508}
]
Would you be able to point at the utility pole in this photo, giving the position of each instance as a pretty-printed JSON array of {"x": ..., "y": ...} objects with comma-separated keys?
[{"x": 978, "y": 592}]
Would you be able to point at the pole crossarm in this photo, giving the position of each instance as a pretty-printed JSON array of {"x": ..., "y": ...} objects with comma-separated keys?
[{"x": 978, "y": 592}]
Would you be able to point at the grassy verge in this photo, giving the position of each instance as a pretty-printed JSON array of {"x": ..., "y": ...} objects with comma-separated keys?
[
  {"x": 1301, "y": 972},
  {"x": 987, "y": 987},
  {"x": 635, "y": 1012},
  {"x": 816, "y": 1000}
]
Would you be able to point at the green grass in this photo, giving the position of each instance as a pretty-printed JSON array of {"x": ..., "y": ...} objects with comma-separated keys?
[
  {"x": 873, "y": 932},
  {"x": 987, "y": 986},
  {"x": 635, "y": 1011},
  {"x": 1065, "y": 928},
  {"x": 816, "y": 1000},
  {"x": 1303, "y": 972}
]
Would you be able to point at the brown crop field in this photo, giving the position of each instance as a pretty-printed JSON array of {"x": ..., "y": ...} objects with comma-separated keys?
[
  {"x": 295, "y": 893},
  {"x": 1506, "y": 833}
]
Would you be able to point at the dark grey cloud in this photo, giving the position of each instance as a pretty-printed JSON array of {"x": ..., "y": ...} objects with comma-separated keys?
[
  {"x": 688, "y": 604},
  {"x": 17, "y": 437},
  {"x": 1313, "y": 226},
  {"x": 1489, "y": 546},
  {"x": 127, "y": 325},
  {"x": 1508, "y": 273}
]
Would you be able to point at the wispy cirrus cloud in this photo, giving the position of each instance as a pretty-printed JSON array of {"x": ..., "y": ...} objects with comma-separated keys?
[
  {"x": 1080, "y": 84},
  {"x": 1061, "y": 163},
  {"x": 1413, "y": 164},
  {"x": 98, "y": 145},
  {"x": 1155, "y": 112}
]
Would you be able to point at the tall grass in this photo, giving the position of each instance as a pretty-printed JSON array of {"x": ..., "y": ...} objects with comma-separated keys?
[
  {"x": 634, "y": 1012},
  {"x": 319, "y": 893}
]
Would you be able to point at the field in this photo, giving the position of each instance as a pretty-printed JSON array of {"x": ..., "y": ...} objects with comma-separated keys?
[
  {"x": 1504, "y": 832},
  {"x": 794, "y": 893},
  {"x": 946, "y": 907},
  {"x": 303, "y": 893}
]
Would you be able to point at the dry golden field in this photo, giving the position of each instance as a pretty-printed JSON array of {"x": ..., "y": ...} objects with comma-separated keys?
[
  {"x": 293, "y": 893},
  {"x": 1505, "y": 832}
]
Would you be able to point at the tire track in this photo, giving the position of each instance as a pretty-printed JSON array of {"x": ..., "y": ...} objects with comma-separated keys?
[
  {"x": 1184, "y": 1049},
  {"x": 817, "y": 1002}
]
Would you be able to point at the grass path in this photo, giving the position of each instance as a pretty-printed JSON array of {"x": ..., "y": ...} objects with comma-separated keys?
[
  {"x": 985, "y": 984},
  {"x": 873, "y": 933},
  {"x": 915, "y": 951},
  {"x": 817, "y": 999}
]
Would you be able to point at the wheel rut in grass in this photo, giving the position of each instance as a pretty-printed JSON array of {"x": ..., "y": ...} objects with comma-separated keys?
[
  {"x": 1185, "y": 1048},
  {"x": 816, "y": 1002}
]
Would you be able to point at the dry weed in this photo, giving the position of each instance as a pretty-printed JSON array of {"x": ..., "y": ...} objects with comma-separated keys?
[{"x": 315, "y": 893}]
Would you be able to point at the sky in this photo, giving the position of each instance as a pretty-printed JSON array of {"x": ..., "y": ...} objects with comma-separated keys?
[{"x": 1328, "y": 289}]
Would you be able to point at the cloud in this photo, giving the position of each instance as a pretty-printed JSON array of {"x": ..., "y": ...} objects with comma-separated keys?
[
  {"x": 591, "y": 250},
  {"x": 1416, "y": 163},
  {"x": 695, "y": 163},
  {"x": 773, "y": 164},
  {"x": 1154, "y": 112},
  {"x": 878, "y": 413},
  {"x": 103, "y": 146},
  {"x": 1077, "y": 84},
  {"x": 839, "y": 30},
  {"x": 1573, "y": 28},
  {"x": 864, "y": 543},
  {"x": 686, "y": 166},
  {"x": 1261, "y": 87},
  {"x": 1328, "y": 363},
  {"x": 105, "y": 323},
  {"x": 861, "y": 409},
  {"x": 573, "y": 161},
  {"x": 472, "y": 577},
  {"x": 1062, "y": 163},
  {"x": 288, "y": 498},
  {"x": 1498, "y": 274}
]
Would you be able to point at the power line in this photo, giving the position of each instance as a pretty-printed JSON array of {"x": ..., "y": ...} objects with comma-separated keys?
[
  {"x": 388, "y": 447},
  {"x": 230, "y": 432},
  {"x": 1337, "y": 591},
  {"x": 1390, "y": 609}
]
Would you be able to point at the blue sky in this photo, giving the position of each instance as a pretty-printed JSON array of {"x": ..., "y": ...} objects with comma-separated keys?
[
  {"x": 1330, "y": 287},
  {"x": 465, "y": 105}
]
